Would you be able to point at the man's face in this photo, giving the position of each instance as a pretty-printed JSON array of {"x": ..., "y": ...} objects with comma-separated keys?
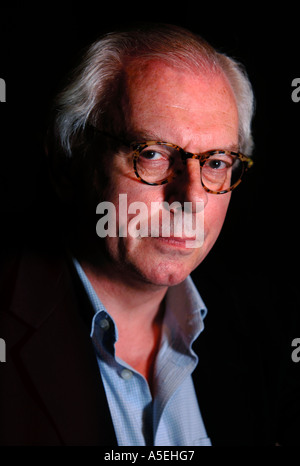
[{"x": 197, "y": 113}]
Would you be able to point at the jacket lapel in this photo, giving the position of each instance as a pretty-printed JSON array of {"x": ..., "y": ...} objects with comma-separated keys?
[{"x": 56, "y": 354}]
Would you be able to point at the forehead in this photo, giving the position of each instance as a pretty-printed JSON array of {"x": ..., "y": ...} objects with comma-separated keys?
[{"x": 171, "y": 102}]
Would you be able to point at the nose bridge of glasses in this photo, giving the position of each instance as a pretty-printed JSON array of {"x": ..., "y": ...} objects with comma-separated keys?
[
  {"x": 188, "y": 155},
  {"x": 190, "y": 172}
]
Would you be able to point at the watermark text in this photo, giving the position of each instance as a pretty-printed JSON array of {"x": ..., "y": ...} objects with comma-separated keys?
[
  {"x": 159, "y": 219},
  {"x": 296, "y": 92},
  {"x": 296, "y": 352},
  {"x": 2, "y": 350},
  {"x": 2, "y": 90}
]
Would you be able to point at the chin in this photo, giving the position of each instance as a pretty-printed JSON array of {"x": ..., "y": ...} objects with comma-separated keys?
[
  {"x": 157, "y": 264},
  {"x": 165, "y": 273}
]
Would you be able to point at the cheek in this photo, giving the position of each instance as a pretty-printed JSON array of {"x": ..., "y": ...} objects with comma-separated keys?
[
  {"x": 215, "y": 212},
  {"x": 132, "y": 200}
]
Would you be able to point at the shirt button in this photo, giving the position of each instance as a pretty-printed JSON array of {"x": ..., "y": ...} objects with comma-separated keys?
[
  {"x": 126, "y": 374},
  {"x": 104, "y": 324}
]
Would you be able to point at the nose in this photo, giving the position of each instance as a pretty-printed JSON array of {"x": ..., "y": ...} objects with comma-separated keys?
[{"x": 187, "y": 187}]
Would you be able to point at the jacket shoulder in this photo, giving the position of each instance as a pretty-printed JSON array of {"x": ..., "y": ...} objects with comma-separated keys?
[{"x": 51, "y": 388}]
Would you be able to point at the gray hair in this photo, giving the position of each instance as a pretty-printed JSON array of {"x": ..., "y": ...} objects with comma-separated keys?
[{"x": 90, "y": 99}]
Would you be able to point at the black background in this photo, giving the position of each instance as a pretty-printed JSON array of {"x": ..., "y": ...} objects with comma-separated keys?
[{"x": 39, "y": 45}]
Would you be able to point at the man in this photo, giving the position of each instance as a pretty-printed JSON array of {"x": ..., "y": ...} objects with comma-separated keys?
[{"x": 106, "y": 343}]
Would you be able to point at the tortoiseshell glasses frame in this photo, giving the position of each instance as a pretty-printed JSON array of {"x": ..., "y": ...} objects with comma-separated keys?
[
  {"x": 235, "y": 163},
  {"x": 218, "y": 156}
]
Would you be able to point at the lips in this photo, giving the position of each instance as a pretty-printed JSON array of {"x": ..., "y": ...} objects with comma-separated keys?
[
  {"x": 176, "y": 241},
  {"x": 179, "y": 239}
]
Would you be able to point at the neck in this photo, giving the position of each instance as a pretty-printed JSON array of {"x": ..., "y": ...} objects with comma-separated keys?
[
  {"x": 137, "y": 309},
  {"x": 123, "y": 298}
]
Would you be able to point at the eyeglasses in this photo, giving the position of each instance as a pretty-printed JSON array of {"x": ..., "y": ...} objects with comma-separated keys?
[{"x": 156, "y": 163}]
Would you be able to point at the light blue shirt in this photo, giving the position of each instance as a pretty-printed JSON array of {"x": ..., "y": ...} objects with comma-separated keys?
[{"x": 173, "y": 417}]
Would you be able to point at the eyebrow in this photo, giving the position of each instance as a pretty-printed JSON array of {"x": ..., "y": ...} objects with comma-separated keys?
[
  {"x": 232, "y": 148},
  {"x": 144, "y": 135}
]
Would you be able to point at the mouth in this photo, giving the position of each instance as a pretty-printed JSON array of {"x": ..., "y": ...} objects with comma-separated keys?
[{"x": 178, "y": 242}]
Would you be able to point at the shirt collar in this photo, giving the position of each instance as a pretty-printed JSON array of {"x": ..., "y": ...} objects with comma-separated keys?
[
  {"x": 185, "y": 312},
  {"x": 98, "y": 307},
  {"x": 185, "y": 309}
]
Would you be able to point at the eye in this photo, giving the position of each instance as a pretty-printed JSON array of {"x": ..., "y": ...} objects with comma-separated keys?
[
  {"x": 157, "y": 153},
  {"x": 217, "y": 164},
  {"x": 149, "y": 154}
]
